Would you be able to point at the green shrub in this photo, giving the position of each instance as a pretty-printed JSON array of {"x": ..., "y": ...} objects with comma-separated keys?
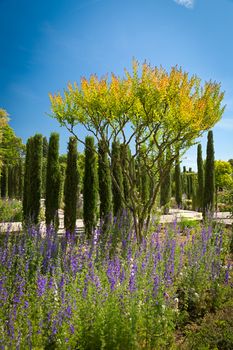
[
  {"x": 215, "y": 332},
  {"x": 10, "y": 211}
]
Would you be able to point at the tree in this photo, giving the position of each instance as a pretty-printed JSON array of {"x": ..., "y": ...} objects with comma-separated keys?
[
  {"x": 231, "y": 162},
  {"x": 117, "y": 185},
  {"x": 163, "y": 110},
  {"x": 3, "y": 122},
  {"x": 71, "y": 186},
  {"x": 165, "y": 186},
  {"x": 36, "y": 178},
  {"x": 223, "y": 175},
  {"x": 178, "y": 192},
  {"x": 27, "y": 182},
  {"x": 4, "y": 181},
  {"x": 223, "y": 178},
  {"x": 125, "y": 155},
  {"x": 209, "y": 189},
  {"x": 105, "y": 189},
  {"x": 32, "y": 180},
  {"x": 44, "y": 165},
  {"x": 52, "y": 181},
  {"x": 200, "y": 178},
  {"x": 90, "y": 187}
]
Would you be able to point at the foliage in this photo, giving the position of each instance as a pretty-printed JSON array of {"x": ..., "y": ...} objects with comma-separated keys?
[
  {"x": 10, "y": 210},
  {"x": 223, "y": 175},
  {"x": 90, "y": 187},
  {"x": 27, "y": 179},
  {"x": 78, "y": 294},
  {"x": 3, "y": 122},
  {"x": 200, "y": 178},
  {"x": 71, "y": 186},
  {"x": 33, "y": 179},
  {"x": 4, "y": 181},
  {"x": 118, "y": 184},
  {"x": 209, "y": 189},
  {"x": 11, "y": 146},
  {"x": 178, "y": 192},
  {"x": 52, "y": 181},
  {"x": 125, "y": 155},
  {"x": 163, "y": 110},
  {"x": 105, "y": 188},
  {"x": 214, "y": 332},
  {"x": 36, "y": 178},
  {"x": 165, "y": 186}
]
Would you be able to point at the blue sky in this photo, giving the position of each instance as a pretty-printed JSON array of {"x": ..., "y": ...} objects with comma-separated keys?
[{"x": 45, "y": 44}]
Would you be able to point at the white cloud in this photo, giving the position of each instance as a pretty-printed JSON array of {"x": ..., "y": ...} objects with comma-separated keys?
[{"x": 186, "y": 3}]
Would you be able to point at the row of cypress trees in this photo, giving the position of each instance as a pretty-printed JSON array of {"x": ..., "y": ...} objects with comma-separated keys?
[
  {"x": 34, "y": 173},
  {"x": 199, "y": 188},
  {"x": 97, "y": 184}
]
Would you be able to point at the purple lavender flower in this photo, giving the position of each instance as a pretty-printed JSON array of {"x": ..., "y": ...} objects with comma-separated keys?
[{"x": 41, "y": 284}]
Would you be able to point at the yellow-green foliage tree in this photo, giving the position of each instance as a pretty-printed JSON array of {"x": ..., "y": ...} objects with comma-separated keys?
[
  {"x": 223, "y": 175},
  {"x": 149, "y": 106}
]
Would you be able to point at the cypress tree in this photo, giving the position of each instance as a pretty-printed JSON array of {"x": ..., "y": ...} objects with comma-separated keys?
[
  {"x": 4, "y": 181},
  {"x": 165, "y": 187},
  {"x": 125, "y": 156},
  {"x": 178, "y": 190},
  {"x": 200, "y": 176},
  {"x": 36, "y": 177},
  {"x": 105, "y": 189},
  {"x": 194, "y": 193},
  {"x": 21, "y": 178},
  {"x": 71, "y": 186},
  {"x": 27, "y": 180},
  {"x": 11, "y": 181},
  {"x": 117, "y": 189},
  {"x": 208, "y": 201},
  {"x": 44, "y": 165},
  {"x": 45, "y": 147},
  {"x": 90, "y": 187},
  {"x": 52, "y": 181}
]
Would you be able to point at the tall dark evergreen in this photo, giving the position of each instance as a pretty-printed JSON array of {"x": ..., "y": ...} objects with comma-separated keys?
[
  {"x": 45, "y": 147},
  {"x": 52, "y": 181},
  {"x": 165, "y": 186},
  {"x": 200, "y": 178},
  {"x": 117, "y": 185},
  {"x": 178, "y": 189},
  {"x": 44, "y": 165},
  {"x": 194, "y": 193},
  {"x": 36, "y": 177},
  {"x": 4, "y": 181},
  {"x": 105, "y": 186},
  {"x": 71, "y": 186},
  {"x": 125, "y": 156},
  {"x": 27, "y": 181},
  {"x": 90, "y": 187},
  {"x": 209, "y": 188}
]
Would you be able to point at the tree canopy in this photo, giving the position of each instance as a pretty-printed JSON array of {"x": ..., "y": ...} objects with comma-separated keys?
[
  {"x": 150, "y": 107},
  {"x": 223, "y": 174}
]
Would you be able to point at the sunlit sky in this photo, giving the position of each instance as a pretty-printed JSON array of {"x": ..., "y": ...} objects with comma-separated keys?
[{"x": 45, "y": 44}]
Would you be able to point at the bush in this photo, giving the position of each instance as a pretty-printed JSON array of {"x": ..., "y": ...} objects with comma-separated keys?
[
  {"x": 10, "y": 210},
  {"x": 214, "y": 332}
]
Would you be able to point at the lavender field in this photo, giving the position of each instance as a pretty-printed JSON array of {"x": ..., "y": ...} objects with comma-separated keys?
[{"x": 69, "y": 293}]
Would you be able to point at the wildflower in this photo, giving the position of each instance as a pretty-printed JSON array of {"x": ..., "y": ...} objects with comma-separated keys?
[{"x": 41, "y": 284}]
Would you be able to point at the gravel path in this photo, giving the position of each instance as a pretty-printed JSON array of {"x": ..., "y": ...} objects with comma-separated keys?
[{"x": 174, "y": 214}]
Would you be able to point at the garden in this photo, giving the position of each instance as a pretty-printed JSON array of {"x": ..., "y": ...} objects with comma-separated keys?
[{"x": 127, "y": 280}]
